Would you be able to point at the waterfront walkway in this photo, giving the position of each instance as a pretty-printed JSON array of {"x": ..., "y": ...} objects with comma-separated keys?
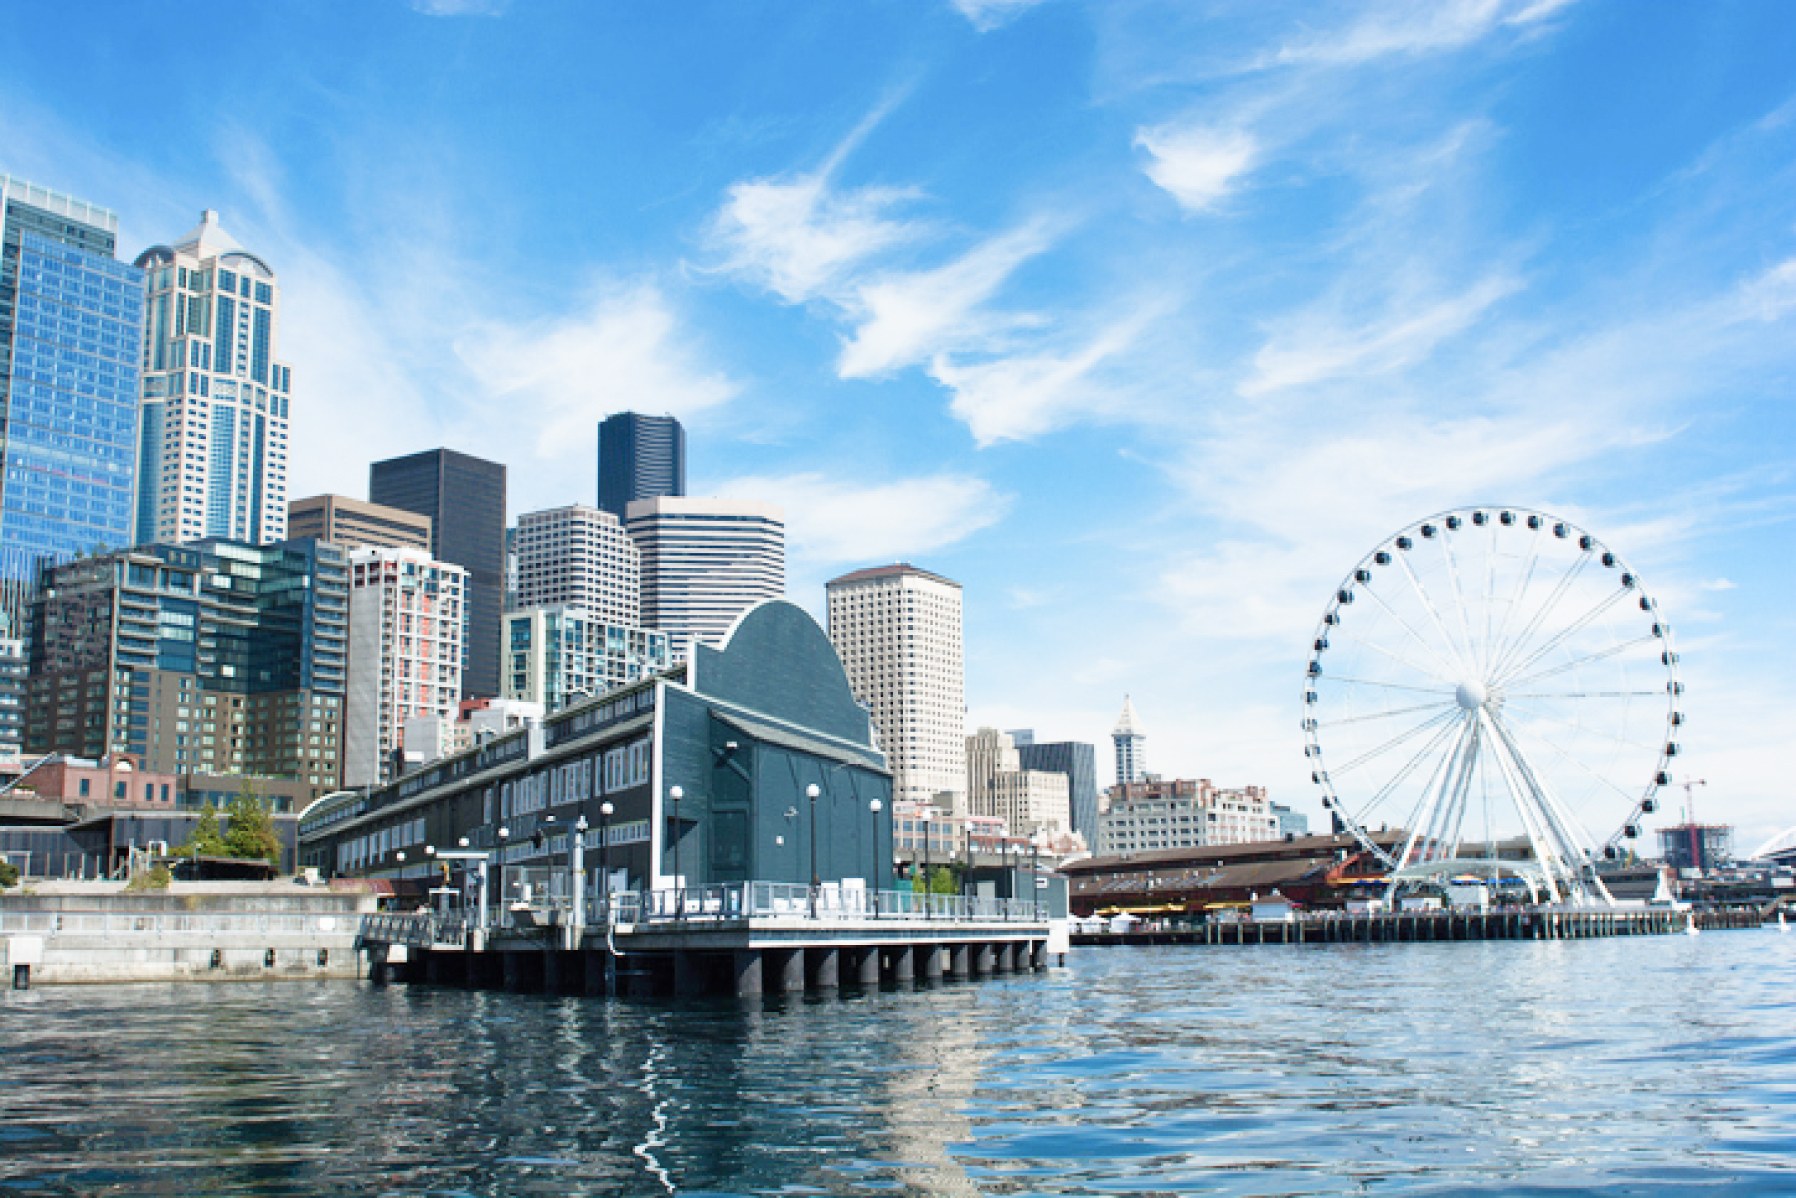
[
  {"x": 1539, "y": 923},
  {"x": 744, "y": 939}
]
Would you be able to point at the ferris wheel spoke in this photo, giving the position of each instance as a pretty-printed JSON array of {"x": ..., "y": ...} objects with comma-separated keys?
[
  {"x": 1573, "y": 760},
  {"x": 1394, "y": 742},
  {"x": 1587, "y": 659},
  {"x": 1459, "y": 601},
  {"x": 1389, "y": 686},
  {"x": 1423, "y": 816},
  {"x": 1398, "y": 779},
  {"x": 1523, "y": 581},
  {"x": 1573, "y": 836},
  {"x": 1448, "y": 670},
  {"x": 1394, "y": 656},
  {"x": 1527, "y": 804},
  {"x": 1540, "y": 717},
  {"x": 1527, "y": 633},
  {"x": 1433, "y": 612},
  {"x": 1508, "y": 695},
  {"x": 1383, "y": 715},
  {"x": 1490, "y": 596},
  {"x": 1570, "y": 630}
]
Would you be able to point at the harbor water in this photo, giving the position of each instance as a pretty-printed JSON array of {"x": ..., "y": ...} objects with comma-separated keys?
[{"x": 1641, "y": 1065}]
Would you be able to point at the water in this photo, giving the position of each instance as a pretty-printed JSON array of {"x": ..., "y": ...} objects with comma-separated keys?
[{"x": 1627, "y": 1066}]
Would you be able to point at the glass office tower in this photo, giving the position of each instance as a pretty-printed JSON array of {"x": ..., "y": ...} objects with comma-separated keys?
[
  {"x": 640, "y": 457},
  {"x": 71, "y": 335},
  {"x": 464, "y": 497}
]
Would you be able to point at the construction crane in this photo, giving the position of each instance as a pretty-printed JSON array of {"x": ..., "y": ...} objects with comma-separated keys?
[{"x": 1697, "y": 859}]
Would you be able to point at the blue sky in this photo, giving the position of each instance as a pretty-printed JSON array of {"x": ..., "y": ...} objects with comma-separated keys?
[{"x": 1143, "y": 321}]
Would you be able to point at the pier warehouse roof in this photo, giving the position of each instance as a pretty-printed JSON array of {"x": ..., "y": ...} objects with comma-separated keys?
[
  {"x": 1312, "y": 870},
  {"x": 742, "y": 730}
]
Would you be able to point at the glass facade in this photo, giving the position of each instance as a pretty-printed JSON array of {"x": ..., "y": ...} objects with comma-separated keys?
[
  {"x": 640, "y": 457},
  {"x": 464, "y": 497},
  {"x": 71, "y": 324},
  {"x": 1079, "y": 763}
]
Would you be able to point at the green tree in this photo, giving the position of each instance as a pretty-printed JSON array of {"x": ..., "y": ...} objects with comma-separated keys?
[
  {"x": 252, "y": 831},
  {"x": 9, "y": 874},
  {"x": 205, "y": 840}
]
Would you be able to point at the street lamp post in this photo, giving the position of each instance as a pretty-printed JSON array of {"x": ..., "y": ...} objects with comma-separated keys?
[
  {"x": 504, "y": 839},
  {"x": 577, "y": 862},
  {"x": 676, "y": 794},
  {"x": 928, "y": 882},
  {"x": 873, "y": 856},
  {"x": 1034, "y": 880},
  {"x": 605, "y": 811},
  {"x": 811, "y": 792}
]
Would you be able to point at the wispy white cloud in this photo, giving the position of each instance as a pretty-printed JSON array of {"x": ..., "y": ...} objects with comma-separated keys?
[
  {"x": 1719, "y": 584},
  {"x": 626, "y": 350},
  {"x": 800, "y": 236},
  {"x": 1024, "y": 395},
  {"x": 1401, "y": 28},
  {"x": 1772, "y": 295},
  {"x": 987, "y": 15},
  {"x": 837, "y": 520},
  {"x": 905, "y": 318},
  {"x": 1325, "y": 344},
  {"x": 461, "y": 8},
  {"x": 1199, "y": 165}
]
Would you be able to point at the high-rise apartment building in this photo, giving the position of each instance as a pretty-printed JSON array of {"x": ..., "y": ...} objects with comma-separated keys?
[
  {"x": 705, "y": 562},
  {"x": 464, "y": 497},
  {"x": 354, "y": 523},
  {"x": 407, "y": 621},
  {"x": 71, "y": 338},
  {"x": 217, "y": 657},
  {"x": 1075, "y": 760},
  {"x": 213, "y": 444},
  {"x": 1179, "y": 813},
  {"x": 1030, "y": 802},
  {"x": 12, "y": 697},
  {"x": 898, "y": 631},
  {"x": 578, "y": 556},
  {"x": 560, "y": 655},
  {"x": 1131, "y": 745},
  {"x": 640, "y": 457}
]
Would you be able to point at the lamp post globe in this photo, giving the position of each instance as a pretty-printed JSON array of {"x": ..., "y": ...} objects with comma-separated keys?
[{"x": 874, "y": 808}]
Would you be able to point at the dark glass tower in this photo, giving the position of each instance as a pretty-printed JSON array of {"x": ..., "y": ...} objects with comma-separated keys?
[
  {"x": 640, "y": 457},
  {"x": 465, "y": 499},
  {"x": 71, "y": 335},
  {"x": 1079, "y": 763}
]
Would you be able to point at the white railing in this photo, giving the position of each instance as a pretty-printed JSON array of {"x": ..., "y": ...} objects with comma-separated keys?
[
  {"x": 786, "y": 900},
  {"x": 181, "y": 923}
]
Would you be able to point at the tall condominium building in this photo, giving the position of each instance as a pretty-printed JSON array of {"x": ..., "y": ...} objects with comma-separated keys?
[
  {"x": 218, "y": 657},
  {"x": 71, "y": 336},
  {"x": 560, "y": 655},
  {"x": 12, "y": 698},
  {"x": 1030, "y": 802},
  {"x": 705, "y": 562},
  {"x": 213, "y": 444},
  {"x": 465, "y": 499},
  {"x": 1075, "y": 760},
  {"x": 356, "y": 522},
  {"x": 407, "y": 622},
  {"x": 1178, "y": 813},
  {"x": 578, "y": 556},
  {"x": 1131, "y": 745},
  {"x": 640, "y": 457},
  {"x": 898, "y": 631}
]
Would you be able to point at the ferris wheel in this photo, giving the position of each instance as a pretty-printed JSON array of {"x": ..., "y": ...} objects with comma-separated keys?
[{"x": 1486, "y": 679}]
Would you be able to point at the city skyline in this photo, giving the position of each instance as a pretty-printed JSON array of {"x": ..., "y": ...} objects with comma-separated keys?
[{"x": 1142, "y": 323}]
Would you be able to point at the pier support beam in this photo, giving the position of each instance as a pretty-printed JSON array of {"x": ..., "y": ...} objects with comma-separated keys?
[
  {"x": 902, "y": 963},
  {"x": 824, "y": 965},
  {"x": 866, "y": 966},
  {"x": 596, "y": 967},
  {"x": 960, "y": 964},
  {"x": 985, "y": 958},
  {"x": 688, "y": 974},
  {"x": 748, "y": 964},
  {"x": 782, "y": 970},
  {"x": 929, "y": 962}
]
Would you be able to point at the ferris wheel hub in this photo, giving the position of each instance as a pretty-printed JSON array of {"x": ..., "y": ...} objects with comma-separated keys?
[{"x": 1471, "y": 695}]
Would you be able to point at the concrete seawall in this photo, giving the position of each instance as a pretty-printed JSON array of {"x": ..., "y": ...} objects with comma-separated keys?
[{"x": 99, "y": 933}]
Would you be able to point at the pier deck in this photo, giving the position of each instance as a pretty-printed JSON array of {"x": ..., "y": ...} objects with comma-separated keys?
[{"x": 1538, "y": 924}]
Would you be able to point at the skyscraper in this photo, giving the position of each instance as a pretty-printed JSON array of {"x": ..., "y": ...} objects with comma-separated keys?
[
  {"x": 406, "y": 625},
  {"x": 213, "y": 446},
  {"x": 640, "y": 457},
  {"x": 1079, "y": 763},
  {"x": 898, "y": 631},
  {"x": 71, "y": 336},
  {"x": 581, "y": 557},
  {"x": 1030, "y": 802},
  {"x": 705, "y": 562},
  {"x": 1131, "y": 746},
  {"x": 560, "y": 655},
  {"x": 353, "y": 523},
  {"x": 464, "y": 497}
]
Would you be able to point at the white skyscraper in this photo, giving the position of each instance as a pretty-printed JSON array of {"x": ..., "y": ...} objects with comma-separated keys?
[
  {"x": 898, "y": 631},
  {"x": 704, "y": 562},
  {"x": 407, "y": 621},
  {"x": 578, "y": 556},
  {"x": 1131, "y": 746},
  {"x": 212, "y": 444},
  {"x": 1028, "y": 801}
]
